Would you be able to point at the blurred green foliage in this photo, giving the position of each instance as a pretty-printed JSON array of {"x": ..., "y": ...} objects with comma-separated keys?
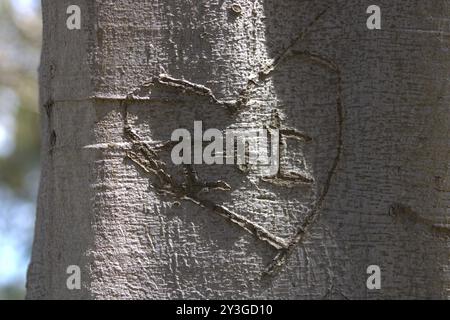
[
  {"x": 20, "y": 41},
  {"x": 12, "y": 293}
]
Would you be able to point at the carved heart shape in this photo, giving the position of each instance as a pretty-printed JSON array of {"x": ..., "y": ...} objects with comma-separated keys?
[{"x": 310, "y": 140}]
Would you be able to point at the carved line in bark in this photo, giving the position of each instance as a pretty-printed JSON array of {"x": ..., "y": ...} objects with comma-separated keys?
[{"x": 281, "y": 178}]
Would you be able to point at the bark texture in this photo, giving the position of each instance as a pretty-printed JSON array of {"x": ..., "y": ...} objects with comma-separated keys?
[{"x": 364, "y": 175}]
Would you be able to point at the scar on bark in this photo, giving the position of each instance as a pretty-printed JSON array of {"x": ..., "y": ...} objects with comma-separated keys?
[
  {"x": 405, "y": 214},
  {"x": 440, "y": 184},
  {"x": 48, "y": 107},
  {"x": 147, "y": 158},
  {"x": 236, "y": 9},
  {"x": 52, "y": 139}
]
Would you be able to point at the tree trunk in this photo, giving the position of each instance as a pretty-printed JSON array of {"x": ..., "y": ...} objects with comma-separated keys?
[{"x": 363, "y": 177}]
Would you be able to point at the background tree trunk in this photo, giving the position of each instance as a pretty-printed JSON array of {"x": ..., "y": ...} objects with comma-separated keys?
[{"x": 375, "y": 188}]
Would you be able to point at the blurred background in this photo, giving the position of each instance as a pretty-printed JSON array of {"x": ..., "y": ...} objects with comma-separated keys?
[{"x": 20, "y": 41}]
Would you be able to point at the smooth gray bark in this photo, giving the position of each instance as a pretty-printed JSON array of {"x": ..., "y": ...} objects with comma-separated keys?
[{"x": 374, "y": 102}]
